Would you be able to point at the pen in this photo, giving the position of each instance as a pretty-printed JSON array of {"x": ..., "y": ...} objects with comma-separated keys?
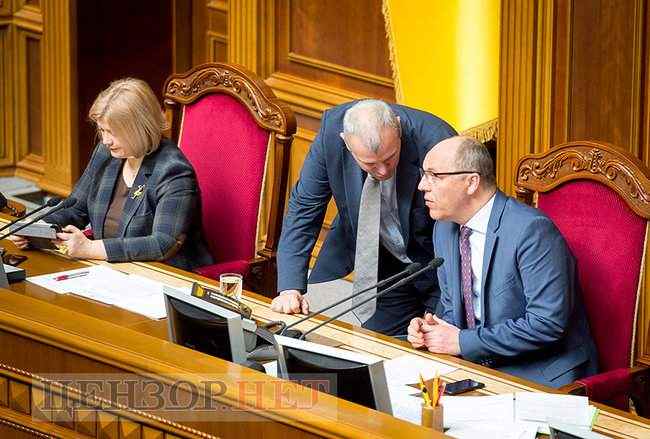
[
  {"x": 70, "y": 276},
  {"x": 436, "y": 390},
  {"x": 425, "y": 392}
]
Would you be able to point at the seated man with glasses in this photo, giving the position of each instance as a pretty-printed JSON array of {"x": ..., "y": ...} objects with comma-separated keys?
[
  {"x": 509, "y": 293},
  {"x": 366, "y": 156}
]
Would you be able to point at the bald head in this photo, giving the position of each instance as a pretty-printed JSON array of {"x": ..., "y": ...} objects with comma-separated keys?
[
  {"x": 458, "y": 179},
  {"x": 462, "y": 153}
]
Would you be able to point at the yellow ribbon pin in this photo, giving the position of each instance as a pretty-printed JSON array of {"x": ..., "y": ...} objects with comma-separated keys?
[{"x": 138, "y": 192}]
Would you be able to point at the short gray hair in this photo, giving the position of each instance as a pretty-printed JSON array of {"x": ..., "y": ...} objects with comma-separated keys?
[
  {"x": 472, "y": 155},
  {"x": 366, "y": 119}
]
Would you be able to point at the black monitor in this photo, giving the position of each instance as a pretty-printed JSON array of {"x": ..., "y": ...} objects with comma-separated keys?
[
  {"x": 205, "y": 327},
  {"x": 352, "y": 376}
]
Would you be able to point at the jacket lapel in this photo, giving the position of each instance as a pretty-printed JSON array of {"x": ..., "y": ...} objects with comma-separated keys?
[
  {"x": 104, "y": 196},
  {"x": 491, "y": 238},
  {"x": 353, "y": 178},
  {"x": 136, "y": 194},
  {"x": 408, "y": 176}
]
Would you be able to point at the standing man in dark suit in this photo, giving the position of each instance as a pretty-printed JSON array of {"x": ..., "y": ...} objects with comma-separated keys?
[
  {"x": 363, "y": 144},
  {"x": 509, "y": 293}
]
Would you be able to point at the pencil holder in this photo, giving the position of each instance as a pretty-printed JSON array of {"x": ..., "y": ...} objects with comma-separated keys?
[{"x": 432, "y": 417}]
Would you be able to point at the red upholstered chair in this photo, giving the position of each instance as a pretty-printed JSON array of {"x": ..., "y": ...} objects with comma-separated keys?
[
  {"x": 237, "y": 135},
  {"x": 599, "y": 198}
]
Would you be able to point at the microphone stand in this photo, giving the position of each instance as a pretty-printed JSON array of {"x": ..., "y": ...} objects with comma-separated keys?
[
  {"x": 435, "y": 263},
  {"x": 48, "y": 204},
  {"x": 409, "y": 270}
]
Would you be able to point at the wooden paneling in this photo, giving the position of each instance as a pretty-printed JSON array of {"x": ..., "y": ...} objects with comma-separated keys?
[
  {"x": 7, "y": 143},
  {"x": 209, "y": 31},
  {"x": 600, "y": 81},
  {"x": 37, "y": 132},
  {"x": 575, "y": 70},
  {"x": 339, "y": 43},
  {"x": 29, "y": 134}
]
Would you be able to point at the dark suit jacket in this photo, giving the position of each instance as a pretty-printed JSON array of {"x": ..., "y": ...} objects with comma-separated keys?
[
  {"x": 161, "y": 224},
  {"x": 533, "y": 322},
  {"x": 330, "y": 170}
]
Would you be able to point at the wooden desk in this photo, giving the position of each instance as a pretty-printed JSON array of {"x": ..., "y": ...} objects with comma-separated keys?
[{"x": 49, "y": 336}]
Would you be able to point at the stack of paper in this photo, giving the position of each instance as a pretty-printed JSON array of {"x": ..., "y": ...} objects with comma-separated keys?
[
  {"x": 129, "y": 291},
  {"x": 522, "y": 414}
]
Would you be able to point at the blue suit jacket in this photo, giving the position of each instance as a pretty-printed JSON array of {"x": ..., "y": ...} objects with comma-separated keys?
[
  {"x": 163, "y": 223},
  {"x": 533, "y": 323},
  {"x": 330, "y": 170}
]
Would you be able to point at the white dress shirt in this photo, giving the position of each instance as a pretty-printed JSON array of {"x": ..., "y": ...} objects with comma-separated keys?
[{"x": 479, "y": 224}]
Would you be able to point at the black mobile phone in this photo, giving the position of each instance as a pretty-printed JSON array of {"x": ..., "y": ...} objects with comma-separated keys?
[{"x": 462, "y": 386}]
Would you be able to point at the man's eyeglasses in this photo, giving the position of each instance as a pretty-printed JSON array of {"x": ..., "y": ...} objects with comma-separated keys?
[
  {"x": 9, "y": 259},
  {"x": 431, "y": 176}
]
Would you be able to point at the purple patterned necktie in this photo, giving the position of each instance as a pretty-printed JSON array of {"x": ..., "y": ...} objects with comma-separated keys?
[{"x": 466, "y": 275}]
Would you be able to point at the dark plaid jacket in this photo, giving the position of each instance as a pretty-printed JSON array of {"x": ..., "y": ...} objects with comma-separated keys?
[{"x": 161, "y": 220}]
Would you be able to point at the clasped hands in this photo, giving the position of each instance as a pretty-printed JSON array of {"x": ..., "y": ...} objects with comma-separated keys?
[{"x": 435, "y": 334}]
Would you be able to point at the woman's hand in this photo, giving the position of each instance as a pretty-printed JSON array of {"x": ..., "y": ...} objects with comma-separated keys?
[
  {"x": 78, "y": 245},
  {"x": 19, "y": 241}
]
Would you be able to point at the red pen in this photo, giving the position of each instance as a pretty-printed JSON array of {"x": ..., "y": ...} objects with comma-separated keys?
[{"x": 70, "y": 276}]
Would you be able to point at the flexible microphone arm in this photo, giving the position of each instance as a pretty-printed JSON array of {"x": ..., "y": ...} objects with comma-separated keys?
[
  {"x": 435, "y": 263},
  {"x": 50, "y": 203},
  {"x": 68, "y": 202},
  {"x": 410, "y": 269}
]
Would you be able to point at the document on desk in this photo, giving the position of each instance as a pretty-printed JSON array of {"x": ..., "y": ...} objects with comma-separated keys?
[
  {"x": 103, "y": 284},
  {"x": 405, "y": 405},
  {"x": 502, "y": 430},
  {"x": 460, "y": 410},
  {"x": 407, "y": 369},
  {"x": 544, "y": 407},
  {"x": 521, "y": 411}
]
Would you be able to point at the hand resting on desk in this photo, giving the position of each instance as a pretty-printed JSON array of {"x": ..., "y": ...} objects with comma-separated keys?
[
  {"x": 290, "y": 302},
  {"x": 435, "y": 334}
]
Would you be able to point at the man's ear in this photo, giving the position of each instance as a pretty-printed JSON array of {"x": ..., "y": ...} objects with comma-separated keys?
[{"x": 474, "y": 182}]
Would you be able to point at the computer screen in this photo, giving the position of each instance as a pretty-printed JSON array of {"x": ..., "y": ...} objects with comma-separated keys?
[
  {"x": 355, "y": 377},
  {"x": 205, "y": 327}
]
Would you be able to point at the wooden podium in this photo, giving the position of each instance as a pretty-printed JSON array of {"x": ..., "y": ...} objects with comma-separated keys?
[{"x": 71, "y": 367}]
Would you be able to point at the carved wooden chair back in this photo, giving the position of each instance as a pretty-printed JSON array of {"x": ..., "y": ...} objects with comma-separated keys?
[
  {"x": 237, "y": 135},
  {"x": 599, "y": 197}
]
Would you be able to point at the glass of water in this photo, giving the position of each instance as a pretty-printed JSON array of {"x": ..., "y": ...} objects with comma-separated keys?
[{"x": 231, "y": 285}]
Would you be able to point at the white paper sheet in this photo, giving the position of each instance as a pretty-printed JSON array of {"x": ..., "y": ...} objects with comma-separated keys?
[
  {"x": 484, "y": 430},
  {"x": 103, "y": 284},
  {"x": 545, "y": 407},
  {"x": 271, "y": 368},
  {"x": 407, "y": 369},
  {"x": 459, "y": 410},
  {"x": 405, "y": 406}
]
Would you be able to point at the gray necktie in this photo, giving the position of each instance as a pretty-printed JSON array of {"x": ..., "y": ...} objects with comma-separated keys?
[{"x": 367, "y": 249}]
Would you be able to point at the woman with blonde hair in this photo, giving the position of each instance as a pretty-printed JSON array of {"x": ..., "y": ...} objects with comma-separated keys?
[{"x": 138, "y": 193}]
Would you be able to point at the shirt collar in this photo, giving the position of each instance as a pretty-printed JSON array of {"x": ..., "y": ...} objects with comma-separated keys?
[{"x": 479, "y": 222}]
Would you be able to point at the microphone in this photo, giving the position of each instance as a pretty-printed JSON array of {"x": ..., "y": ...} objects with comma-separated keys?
[
  {"x": 410, "y": 269},
  {"x": 68, "y": 202},
  {"x": 266, "y": 333},
  {"x": 435, "y": 263},
  {"x": 50, "y": 203}
]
